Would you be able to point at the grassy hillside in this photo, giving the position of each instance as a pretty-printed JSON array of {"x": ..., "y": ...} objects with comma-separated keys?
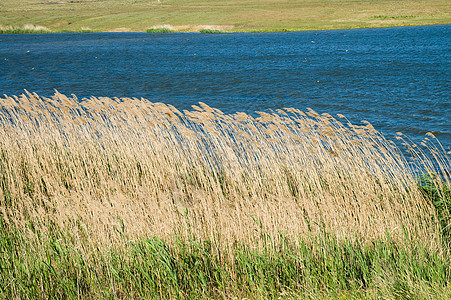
[{"x": 227, "y": 15}]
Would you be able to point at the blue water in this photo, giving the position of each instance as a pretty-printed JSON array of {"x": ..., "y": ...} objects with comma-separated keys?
[{"x": 396, "y": 78}]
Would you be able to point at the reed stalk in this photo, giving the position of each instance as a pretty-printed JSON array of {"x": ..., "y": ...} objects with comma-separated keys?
[{"x": 131, "y": 198}]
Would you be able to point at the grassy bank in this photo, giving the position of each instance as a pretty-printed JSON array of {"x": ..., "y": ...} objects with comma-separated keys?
[
  {"x": 241, "y": 15},
  {"x": 315, "y": 267},
  {"x": 124, "y": 198}
]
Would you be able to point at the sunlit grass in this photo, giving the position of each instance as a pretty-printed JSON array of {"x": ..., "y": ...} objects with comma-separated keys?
[
  {"x": 108, "y": 197},
  {"x": 241, "y": 15},
  {"x": 210, "y": 31},
  {"x": 28, "y": 28},
  {"x": 161, "y": 29}
]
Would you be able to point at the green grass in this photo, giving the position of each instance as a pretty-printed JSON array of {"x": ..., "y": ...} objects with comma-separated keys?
[
  {"x": 439, "y": 194},
  {"x": 228, "y": 15},
  {"x": 210, "y": 31},
  {"x": 312, "y": 267},
  {"x": 159, "y": 30}
]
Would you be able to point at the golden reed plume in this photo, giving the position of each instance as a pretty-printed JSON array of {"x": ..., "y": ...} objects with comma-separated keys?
[{"x": 110, "y": 168}]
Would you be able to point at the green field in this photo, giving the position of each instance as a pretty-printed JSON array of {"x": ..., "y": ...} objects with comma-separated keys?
[{"x": 225, "y": 15}]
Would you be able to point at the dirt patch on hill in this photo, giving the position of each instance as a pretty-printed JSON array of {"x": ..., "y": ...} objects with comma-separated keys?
[
  {"x": 213, "y": 27},
  {"x": 194, "y": 28},
  {"x": 120, "y": 29}
]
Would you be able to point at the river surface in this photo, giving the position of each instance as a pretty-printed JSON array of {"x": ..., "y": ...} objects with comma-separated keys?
[{"x": 396, "y": 78}]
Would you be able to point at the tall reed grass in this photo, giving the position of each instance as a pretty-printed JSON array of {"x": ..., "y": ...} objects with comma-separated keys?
[
  {"x": 124, "y": 198},
  {"x": 27, "y": 28},
  {"x": 161, "y": 29}
]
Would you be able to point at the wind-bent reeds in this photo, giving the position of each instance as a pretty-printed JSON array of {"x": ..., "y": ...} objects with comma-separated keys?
[
  {"x": 27, "y": 28},
  {"x": 108, "y": 171}
]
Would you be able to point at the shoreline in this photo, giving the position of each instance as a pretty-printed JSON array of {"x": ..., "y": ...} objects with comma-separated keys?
[{"x": 217, "y": 31}]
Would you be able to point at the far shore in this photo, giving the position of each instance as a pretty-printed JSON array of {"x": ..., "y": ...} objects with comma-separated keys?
[
  {"x": 209, "y": 16},
  {"x": 195, "y": 29}
]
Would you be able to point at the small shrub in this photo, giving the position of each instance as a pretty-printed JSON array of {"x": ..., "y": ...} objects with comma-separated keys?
[
  {"x": 438, "y": 193},
  {"x": 210, "y": 31},
  {"x": 159, "y": 30},
  {"x": 25, "y": 29}
]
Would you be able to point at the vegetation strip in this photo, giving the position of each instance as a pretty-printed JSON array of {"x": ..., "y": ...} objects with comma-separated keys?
[
  {"x": 315, "y": 267},
  {"x": 125, "y": 198}
]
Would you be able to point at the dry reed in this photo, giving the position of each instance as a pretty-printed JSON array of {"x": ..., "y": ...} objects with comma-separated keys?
[{"x": 112, "y": 169}]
